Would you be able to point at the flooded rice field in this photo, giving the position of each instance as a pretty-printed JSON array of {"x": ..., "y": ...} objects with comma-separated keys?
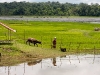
[
  {"x": 58, "y": 19},
  {"x": 65, "y": 65}
]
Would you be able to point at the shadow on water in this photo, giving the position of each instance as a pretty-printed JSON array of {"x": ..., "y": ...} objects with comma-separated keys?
[{"x": 70, "y": 64}]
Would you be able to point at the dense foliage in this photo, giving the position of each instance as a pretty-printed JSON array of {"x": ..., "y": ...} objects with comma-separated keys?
[{"x": 49, "y": 9}]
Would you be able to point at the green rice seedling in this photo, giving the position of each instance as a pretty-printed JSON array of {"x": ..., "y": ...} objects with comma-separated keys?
[{"x": 66, "y": 32}]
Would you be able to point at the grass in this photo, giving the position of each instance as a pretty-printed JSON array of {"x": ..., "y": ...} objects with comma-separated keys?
[
  {"x": 65, "y": 32},
  {"x": 76, "y": 37},
  {"x": 19, "y": 53}
]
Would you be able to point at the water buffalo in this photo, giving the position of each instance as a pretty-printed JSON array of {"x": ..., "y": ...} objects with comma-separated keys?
[
  {"x": 63, "y": 49},
  {"x": 33, "y": 40}
]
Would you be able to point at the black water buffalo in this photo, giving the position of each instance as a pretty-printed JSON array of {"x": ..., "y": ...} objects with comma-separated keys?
[
  {"x": 33, "y": 40},
  {"x": 63, "y": 49}
]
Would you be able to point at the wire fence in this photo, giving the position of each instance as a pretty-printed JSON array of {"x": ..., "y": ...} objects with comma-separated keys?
[{"x": 61, "y": 41}]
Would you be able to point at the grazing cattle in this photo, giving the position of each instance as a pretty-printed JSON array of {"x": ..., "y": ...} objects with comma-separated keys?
[
  {"x": 32, "y": 40},
  {"x": 97, "y": 29},
  {"x": 63, "y": 49}
]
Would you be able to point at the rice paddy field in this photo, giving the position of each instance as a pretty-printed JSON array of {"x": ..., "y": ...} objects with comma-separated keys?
[
  {"x": 76, "y": 37},
  {"x": 70, "y": 35}
]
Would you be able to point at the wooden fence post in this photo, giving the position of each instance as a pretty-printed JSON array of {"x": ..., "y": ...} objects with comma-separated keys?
[
  {"x": 0, "y": 57},
  {"x": 94, "y": 49},
  {"x": 69, "y": 45},
  {"x": 78, "y": 47},
  {"x": 41, "y": 41},
  {"x": 0, "y": 54},
  {"x": 24, "y": 37}
]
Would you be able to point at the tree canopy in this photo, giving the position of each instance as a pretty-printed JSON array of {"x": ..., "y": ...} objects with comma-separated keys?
[{"x": 49, "y": 9}]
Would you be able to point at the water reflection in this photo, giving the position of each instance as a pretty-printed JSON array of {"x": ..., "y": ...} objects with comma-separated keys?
[
  {"x": 33, "y": 62},
  {"x": 67, "y": 65},
  {"x": 54, "y": 62}
]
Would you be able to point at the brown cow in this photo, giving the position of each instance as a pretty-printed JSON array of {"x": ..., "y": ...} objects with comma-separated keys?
[{"x": 34, "y": 41}]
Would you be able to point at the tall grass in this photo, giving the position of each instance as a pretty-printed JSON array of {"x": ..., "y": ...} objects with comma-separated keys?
[{"x": 69, "y": 34}]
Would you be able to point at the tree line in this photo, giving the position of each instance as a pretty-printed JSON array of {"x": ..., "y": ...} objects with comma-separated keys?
[{"x": 49, "y": 9}]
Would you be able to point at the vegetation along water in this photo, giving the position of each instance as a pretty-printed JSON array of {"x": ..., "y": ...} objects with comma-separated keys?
[{"x": 76, "y": 37}]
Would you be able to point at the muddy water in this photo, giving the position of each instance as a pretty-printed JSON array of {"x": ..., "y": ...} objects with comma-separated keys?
[
  {"x": 60, "y": 19},
  {"x": 67, "y": 65}
]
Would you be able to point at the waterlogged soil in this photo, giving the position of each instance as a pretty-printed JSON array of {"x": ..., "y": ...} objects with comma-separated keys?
[
  {"x": 10, "y": 60},
  {"x": 87, "y": 64},
  {"x": 58, "y": 19},
  {"x": 9, "y": 56},
  {"x": 12, "y": 56}
]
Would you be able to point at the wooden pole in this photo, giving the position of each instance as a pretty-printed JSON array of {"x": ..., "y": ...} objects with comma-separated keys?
[
  {"x": 24, "y": 36},
  {"x": 0, "y": 54},
  {"x": 41, "y": 41},
  {"x": 78, "y": 47},
  {"x": 69, "y": 45},
  {"x": 51, "y": 43},
  {"x": 61, "y": 42},
  {"x": 0, "y": 57},
  {"x": 8, "y": 34},
  {"x": 7, "y": 27}
]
